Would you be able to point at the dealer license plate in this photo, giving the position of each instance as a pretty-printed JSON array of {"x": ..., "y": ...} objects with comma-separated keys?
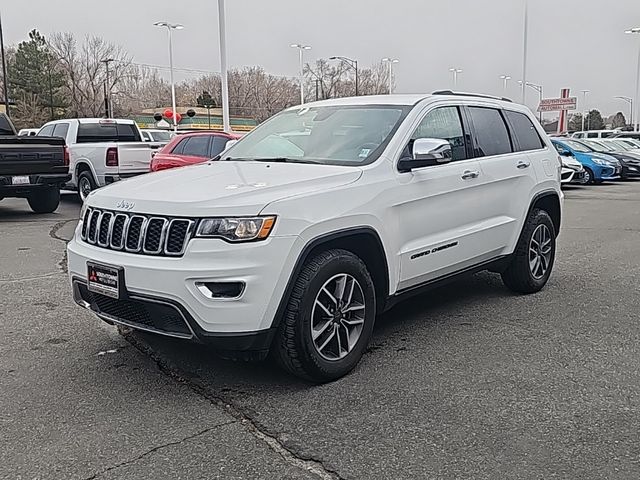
[{"x": 104, "y": 279}]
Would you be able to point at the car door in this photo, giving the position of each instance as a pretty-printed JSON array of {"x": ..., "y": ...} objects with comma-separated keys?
[
  {"x": 433, "y": 208},
  {"x": 508, "y": 164}
]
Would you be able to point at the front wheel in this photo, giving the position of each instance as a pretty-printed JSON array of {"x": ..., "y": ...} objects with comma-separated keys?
[
  {"x": 329, "y": 318},
  {"x": 45, "y": 200},
  {"x": 589, "y": 179},
  {"x": 532, "y": 262}
]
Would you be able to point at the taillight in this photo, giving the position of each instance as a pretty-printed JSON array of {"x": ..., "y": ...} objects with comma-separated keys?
[
  {"x": 112, "y": 157},
  {"x": 65, "y": 158}
]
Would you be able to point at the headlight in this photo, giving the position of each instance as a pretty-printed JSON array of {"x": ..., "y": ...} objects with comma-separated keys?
[
  {"x": 236, "y": 229},
  {"x": 601, "y": 162}
]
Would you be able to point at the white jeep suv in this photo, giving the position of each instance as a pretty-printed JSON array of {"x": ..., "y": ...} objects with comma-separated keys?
[{"x": 320, "y": 219}]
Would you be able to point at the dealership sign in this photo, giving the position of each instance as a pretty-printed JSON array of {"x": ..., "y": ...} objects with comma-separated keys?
[{"x": 557, "y": 104}]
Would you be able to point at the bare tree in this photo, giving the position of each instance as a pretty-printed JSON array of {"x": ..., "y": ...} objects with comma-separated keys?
[
  {"x": 86, "y": 73},
  {"x": 333, "y": 80}
]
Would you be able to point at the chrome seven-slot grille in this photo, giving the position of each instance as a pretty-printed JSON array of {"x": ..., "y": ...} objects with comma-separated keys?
[{"x": 134, "y": 233}]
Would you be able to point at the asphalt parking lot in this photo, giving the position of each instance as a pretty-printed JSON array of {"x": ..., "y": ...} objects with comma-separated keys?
[{"x": 468, "y": 381}]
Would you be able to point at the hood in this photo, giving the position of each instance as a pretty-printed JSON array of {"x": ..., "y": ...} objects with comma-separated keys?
[{"x": 220, "y": 188}]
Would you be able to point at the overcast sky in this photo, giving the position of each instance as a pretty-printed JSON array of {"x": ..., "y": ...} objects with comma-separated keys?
[{"x": 578, "y": 44}]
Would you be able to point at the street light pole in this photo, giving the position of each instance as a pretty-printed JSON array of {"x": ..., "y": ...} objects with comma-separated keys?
[
  {"x": 629, "y": 100},
  {"x": 226, "y": 121},
  {"x": 455, "y": 72},
  {"x": 301, "y": 48},
  {"x": 352, "y": 63},
  {"x": 636, "y": 125},
  {"x": 584, "y": 105},
  {"x": 525, "y": 48},
  {"x": 5, "y": 79},
  {"x": 109, "y": 112},
  {"x": 170, "y": 27},
  {"x": 505, "y": 79},
  {"x": 390, "y": 61}
]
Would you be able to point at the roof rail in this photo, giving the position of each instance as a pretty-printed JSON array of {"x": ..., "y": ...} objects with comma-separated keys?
[{"x": 465, "y": 94}]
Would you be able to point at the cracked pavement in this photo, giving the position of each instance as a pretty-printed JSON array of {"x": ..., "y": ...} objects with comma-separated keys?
[{"x": 468, "y": 381}]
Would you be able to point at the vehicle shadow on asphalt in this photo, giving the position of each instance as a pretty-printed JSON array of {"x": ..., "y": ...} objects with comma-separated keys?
[{"x": 424, "y": 312}]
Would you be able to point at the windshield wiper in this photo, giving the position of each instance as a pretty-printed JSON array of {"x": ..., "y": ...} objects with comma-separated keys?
[{"x": 271, "y": 159}]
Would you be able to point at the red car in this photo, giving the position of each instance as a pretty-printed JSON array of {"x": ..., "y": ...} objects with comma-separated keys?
[{"x": 190, "y": 148}]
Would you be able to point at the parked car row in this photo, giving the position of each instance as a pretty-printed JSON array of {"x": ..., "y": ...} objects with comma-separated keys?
[{"x": 600, "y": 159}]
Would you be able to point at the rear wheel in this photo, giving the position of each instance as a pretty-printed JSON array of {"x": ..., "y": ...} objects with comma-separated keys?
[
  {"x": 45, "y": 200},
  {"x": 86, "y": 184},
  {"x": 329, "y": 318},
  {"x": 530, "y": 266}
]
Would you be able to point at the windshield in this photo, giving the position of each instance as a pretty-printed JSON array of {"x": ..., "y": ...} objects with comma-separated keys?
[
  {"x": 599, "y": 147},
  {"x": 160, "y": 136},
  {"x": 629, "y": 141},
  {"x": 577, "y": 146},
  {"x": 333, "y": 135},
  {"x": 618, "y": 145}
]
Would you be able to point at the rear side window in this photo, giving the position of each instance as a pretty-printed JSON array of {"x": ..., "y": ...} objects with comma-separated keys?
[
  {"x": 527, "y": 136},
  {"x": 492, "y": 136},
  {"x": 46, "y": 131},
  {"x": 177, "y": 150},
  {"x": 218, "y": 144},
  {"x": 197, "y": 146},
  {"x": 107, "y": 132},
  {"x": 60, "y": 130}
]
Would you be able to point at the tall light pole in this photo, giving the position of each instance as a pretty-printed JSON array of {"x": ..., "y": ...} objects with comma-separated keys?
[
  {"x": 505, "y": 79},
  {"x": 352, "y": 63},
  {"x": 629, "y": 100},
  {"x": 301, "y": 48},
  {"x": 5, "y": 79},
  {"x": 455, "y": 72},
  {"x": 537, "y": 88},
  {"x": 224, "y": 77},
  {"x": 390, "y": 61},
  {"x": 525, "y": 48},
  {"x": 170, "y": 27},
  {"x": 636, "y": 30},
  {"x": 584, "y": 106},
  {"x": 109, "y": 112}
]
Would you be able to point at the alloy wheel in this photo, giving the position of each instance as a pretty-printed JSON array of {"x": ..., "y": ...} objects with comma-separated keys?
[
  {"x": 337, "y": 317},
  {"x": 540, "y": 251},
  {"x": 84, "y": 188}
]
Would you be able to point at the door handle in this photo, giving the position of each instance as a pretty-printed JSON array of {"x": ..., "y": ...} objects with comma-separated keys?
[
  {"x": 468, "y": 174},
  {"x": 523, "y": 164}
]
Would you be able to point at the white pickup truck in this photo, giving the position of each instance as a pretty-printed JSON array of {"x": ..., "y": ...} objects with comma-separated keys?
[{"x": 101, "y": 151}]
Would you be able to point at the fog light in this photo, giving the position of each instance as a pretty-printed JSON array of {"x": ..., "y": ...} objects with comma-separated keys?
[{"x": 221, "y": 289}]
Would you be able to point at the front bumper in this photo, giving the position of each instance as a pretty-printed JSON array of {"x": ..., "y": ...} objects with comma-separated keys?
[
  {"x": 263, "y": 268},
  {"x": 630, "y": 171}
]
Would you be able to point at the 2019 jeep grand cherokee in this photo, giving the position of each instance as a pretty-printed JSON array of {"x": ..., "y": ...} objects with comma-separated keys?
[{"x": 320, "y": 219}]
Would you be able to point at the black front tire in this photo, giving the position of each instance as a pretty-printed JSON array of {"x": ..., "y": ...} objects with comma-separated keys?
[
  {"x": 45, "y": 200},
  {"x": 518, "y": 275},
  {"x": 293, "y": 348},
  {"x": 589, "y": 178}
]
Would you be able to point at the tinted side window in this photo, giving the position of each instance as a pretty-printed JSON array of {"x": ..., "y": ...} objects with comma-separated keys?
[
  {"x": 46, "y": 131},
  {"x": 197, "y": 146},
  {"x": 61, "y": 130},
  {"x": 492, "y": 136},
  {"x": 525, "y": 133},
  {"x": 443, "y": 123},
  {"x": 177, "y": 150},
  {"x": 6, "y": 128},
  {"x": 218, "y": 144}
]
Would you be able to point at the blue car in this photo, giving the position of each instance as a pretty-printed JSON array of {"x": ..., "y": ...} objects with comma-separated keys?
[{"x": 597, "y": 166}]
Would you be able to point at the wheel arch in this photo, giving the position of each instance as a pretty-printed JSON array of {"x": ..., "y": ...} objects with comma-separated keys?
[
  {"x": 549, "y": 201},
  {"x": 362, "y": 241},
  {"x": 82, "y": 165}
]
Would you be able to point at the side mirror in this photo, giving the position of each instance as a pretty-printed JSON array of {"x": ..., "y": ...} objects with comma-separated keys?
[
  {"x": 230, "y": 144},
  {"x": 426, "y": 152},
  {"x": 566, "y": 153}
]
